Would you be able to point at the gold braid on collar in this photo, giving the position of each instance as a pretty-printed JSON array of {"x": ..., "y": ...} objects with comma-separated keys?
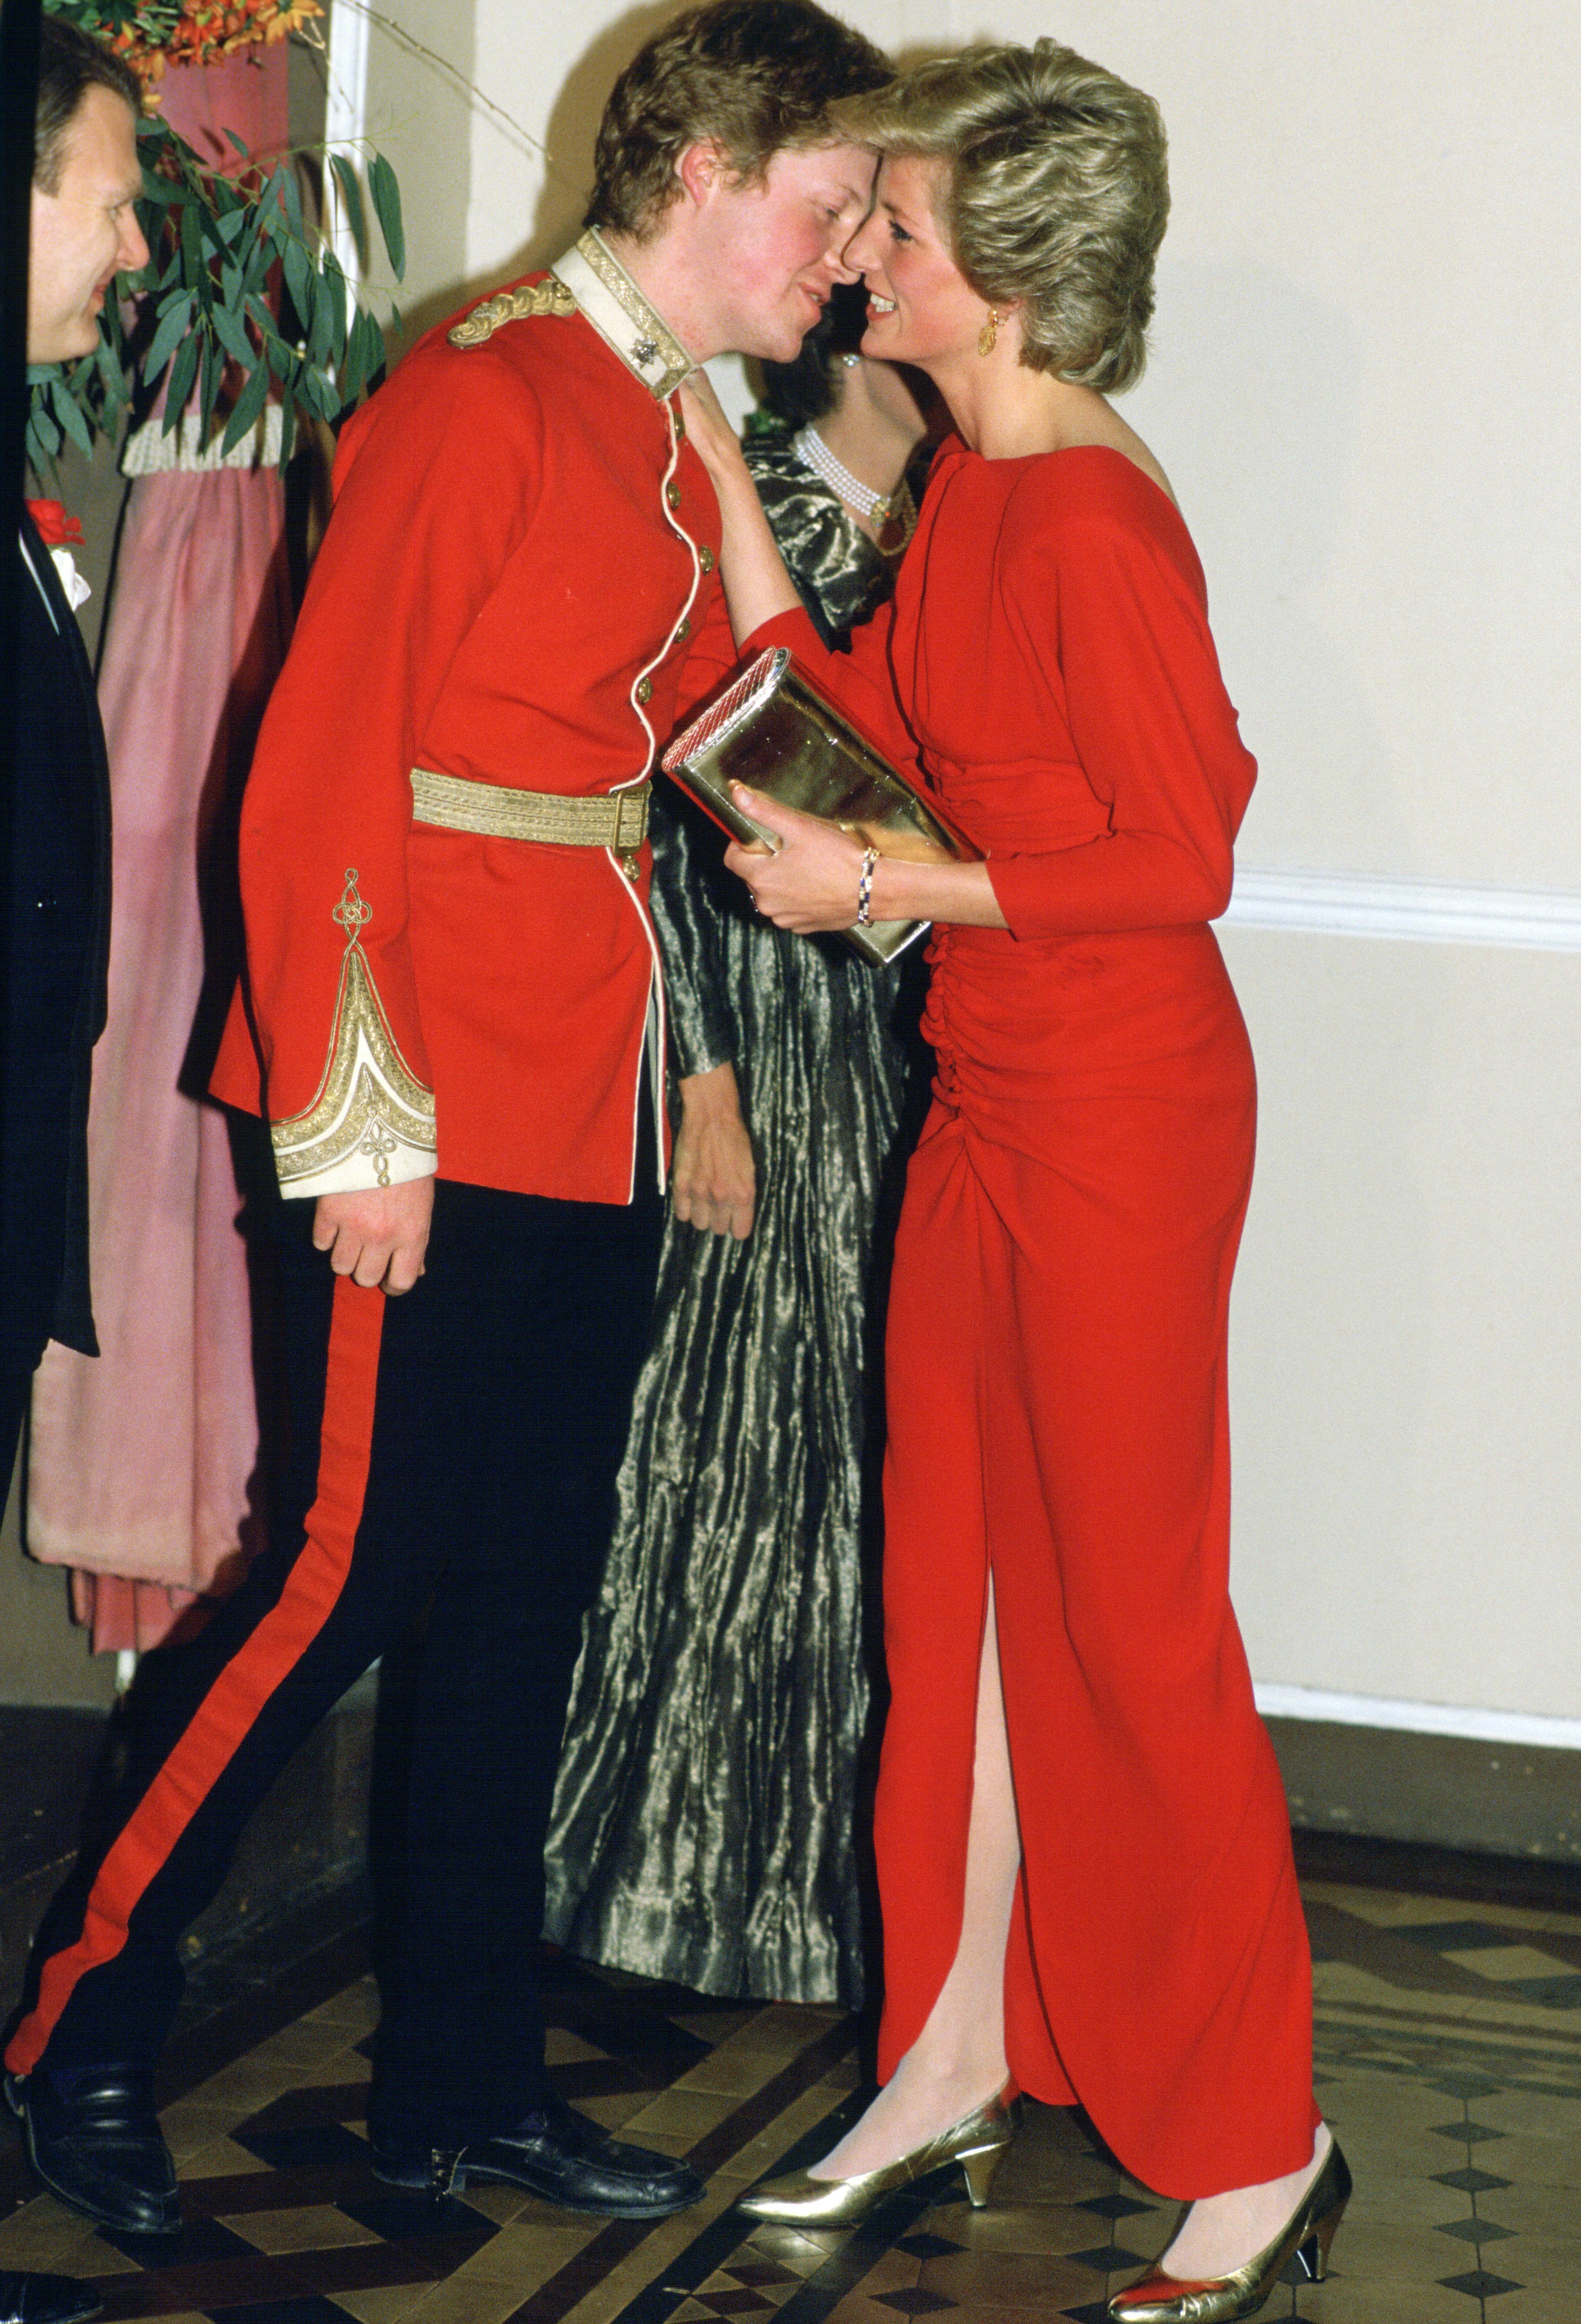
[{"x": 548, "y": 296}]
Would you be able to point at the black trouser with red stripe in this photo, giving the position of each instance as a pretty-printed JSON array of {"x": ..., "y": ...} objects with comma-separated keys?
[{"x": 455, "y": 1448}]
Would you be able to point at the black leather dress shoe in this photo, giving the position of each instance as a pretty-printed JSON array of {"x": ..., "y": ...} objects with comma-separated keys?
[
  {"x": 560, "y": 2156},
  {"x": 28, "y": 2299},
  {"x": 99, "y": 2147}
]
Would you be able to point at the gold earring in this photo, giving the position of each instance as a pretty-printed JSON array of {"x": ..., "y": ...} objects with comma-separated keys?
[{"x": 989, "y": 333}]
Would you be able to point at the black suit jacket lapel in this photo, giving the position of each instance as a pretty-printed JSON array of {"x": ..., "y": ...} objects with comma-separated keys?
[{"x": 76, "y": 654}]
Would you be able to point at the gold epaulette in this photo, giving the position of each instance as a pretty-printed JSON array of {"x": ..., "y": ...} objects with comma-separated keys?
[{"x": 548, "y": 296}]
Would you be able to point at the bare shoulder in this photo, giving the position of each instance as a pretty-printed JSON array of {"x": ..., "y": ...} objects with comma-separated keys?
[{"x": 1096, "y": 424}]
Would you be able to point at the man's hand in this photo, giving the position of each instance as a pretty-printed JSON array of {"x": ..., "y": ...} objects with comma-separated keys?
[
  {"x": 378, "y": 1235},
  {"x": 713, "y": 1182}
]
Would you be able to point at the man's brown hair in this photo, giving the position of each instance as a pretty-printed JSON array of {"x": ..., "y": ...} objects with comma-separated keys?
[
  {"x": 70, "y": 63},
  {"x": 754, "y": 74}
]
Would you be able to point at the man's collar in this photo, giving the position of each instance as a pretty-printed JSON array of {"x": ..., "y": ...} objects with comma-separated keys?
[{"x": 621, "y": 316}]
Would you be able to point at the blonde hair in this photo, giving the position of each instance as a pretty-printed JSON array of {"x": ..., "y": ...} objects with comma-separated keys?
[{"x": 1056, "y": 194}]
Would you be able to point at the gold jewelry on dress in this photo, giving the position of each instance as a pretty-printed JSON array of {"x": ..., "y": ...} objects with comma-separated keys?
[
  {"x": 989, "y": 333},
  {"x": 978, "y": 2143},
  {"x": 1161, "y": 2298}
]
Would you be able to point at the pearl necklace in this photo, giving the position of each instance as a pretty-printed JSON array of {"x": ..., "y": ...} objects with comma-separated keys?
[{"x": 883, "y": 510}]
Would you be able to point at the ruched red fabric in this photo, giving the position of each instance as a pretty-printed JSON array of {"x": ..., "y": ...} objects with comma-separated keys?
[{"x": 1057, "y": 1324}]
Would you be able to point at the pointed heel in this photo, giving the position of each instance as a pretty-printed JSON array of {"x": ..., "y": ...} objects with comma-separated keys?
[
  {"x": 1313, "y": 2252},
  {"x": 979, "y": 2171}
]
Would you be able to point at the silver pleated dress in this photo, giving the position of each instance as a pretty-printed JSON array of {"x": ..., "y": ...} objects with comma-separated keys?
[{"x": 706, "y": 1822}]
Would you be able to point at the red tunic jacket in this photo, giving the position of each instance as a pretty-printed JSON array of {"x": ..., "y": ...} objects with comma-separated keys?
[{"x": 516, "y": 587}]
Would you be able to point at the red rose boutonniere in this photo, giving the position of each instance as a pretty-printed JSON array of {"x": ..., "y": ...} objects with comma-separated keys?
[
  {"x": 56, "y": 529},
  {"x": 60, "y": 534}
]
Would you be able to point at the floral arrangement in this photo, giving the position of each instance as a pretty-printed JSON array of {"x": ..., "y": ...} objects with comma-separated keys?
[
  {"x": 150, "y": 33},
  {"x": 243, "y": 294}
]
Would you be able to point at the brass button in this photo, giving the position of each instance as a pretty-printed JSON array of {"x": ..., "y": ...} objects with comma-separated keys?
[
  {"x": 672, "y": 493},
  {"x": 705, "y": 559},
  {"x": 683, "y": 629},
  {"x": 679, "y": 426},
  {"x": 645, "y": 689}
]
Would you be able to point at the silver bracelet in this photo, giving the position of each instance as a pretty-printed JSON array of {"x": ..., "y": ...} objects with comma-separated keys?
[{"x": 864, "y": 888}]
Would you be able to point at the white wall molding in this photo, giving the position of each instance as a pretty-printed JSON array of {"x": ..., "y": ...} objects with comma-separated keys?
[
  {"x": 1521, "y": 1727},
  {"x": 1425, "y": 911}
]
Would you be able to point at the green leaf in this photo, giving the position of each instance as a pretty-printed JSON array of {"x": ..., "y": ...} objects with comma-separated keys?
[
  {"x": 192, "y": 260},
  {"x": 112, "y": 371},
  {"x": 207, "y": 388},
  {"x": 236, "y": 142},
  {"x": 334, "y": 282},
  {"x": 235, "y": 224},
  {"x": 283, "y": 187},
  {"x": 249, "y": 404},
  {"x": 183, "y": 371},
  {"x": 233, "y": 339},
  {"x": 69, "y": 412},
  {"x": 386, "y": 194},
  {"x": 351, "y": 195},
  {"x": 317, "y": 391},
  {"x": 297, "y": 273},
  {"x": 287, "y": 427},
  {"x": 173, "y": 324},
  {"x": 46, "y": 423},
  {"x": 321, "y": 330}
]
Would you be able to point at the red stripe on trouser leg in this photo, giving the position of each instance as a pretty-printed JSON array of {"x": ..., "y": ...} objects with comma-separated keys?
[{"x": 227, "y": 1713}]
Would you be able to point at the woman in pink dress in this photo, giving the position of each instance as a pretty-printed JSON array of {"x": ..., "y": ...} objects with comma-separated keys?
[{"x": 1084, "y": 1852}]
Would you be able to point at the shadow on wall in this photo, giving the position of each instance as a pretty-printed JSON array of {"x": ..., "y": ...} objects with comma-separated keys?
[
  {"x": 1252, "y": 401},
  {"x": 569, "y": 134}
]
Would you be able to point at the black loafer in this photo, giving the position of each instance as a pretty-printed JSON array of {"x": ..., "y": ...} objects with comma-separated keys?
[
  {"x": 560, "y": 2156},
  {"x": 99, "y": 2147},
  {"x": 28, "y": 2299}
]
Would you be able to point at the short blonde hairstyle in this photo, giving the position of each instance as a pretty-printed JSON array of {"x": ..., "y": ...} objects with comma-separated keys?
[{"x": 1057, "y": 194}]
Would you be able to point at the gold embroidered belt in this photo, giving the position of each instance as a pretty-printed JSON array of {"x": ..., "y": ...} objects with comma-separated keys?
[{"x": 616, "y": 820}]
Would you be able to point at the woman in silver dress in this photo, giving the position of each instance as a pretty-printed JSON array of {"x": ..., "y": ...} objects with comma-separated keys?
[{"x": 708, "y": 1788}]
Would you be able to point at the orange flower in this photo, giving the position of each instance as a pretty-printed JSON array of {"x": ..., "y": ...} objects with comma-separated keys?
[{"x": 208, "y": 31}]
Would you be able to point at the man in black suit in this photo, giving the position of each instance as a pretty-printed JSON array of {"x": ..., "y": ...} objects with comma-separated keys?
[{"x": 83, "y": 231}]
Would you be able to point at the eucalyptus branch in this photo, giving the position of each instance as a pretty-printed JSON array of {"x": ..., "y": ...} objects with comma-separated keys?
[{"x": 227, "y": 252}]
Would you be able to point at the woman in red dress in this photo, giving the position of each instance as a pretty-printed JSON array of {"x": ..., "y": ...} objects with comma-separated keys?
[{"x": 1083, "y": 1846}]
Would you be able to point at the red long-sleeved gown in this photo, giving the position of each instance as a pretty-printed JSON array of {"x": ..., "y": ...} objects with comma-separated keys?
[{"x": 1058, "y": 1322}]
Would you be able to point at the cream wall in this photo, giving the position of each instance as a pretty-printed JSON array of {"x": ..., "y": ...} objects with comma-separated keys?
[{"x": 1369, "y": 329}]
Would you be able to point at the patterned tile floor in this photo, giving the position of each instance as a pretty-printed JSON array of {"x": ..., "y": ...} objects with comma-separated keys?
[{"x": 1449, "y": 2061}]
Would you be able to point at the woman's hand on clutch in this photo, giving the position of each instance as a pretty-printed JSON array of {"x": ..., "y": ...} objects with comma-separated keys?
[
  {"x": 713, "y": 1179},
  {"x": 809, "y": 884}
]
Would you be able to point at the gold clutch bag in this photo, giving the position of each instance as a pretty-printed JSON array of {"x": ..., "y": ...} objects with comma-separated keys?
[{"x": 775, "y": 732}]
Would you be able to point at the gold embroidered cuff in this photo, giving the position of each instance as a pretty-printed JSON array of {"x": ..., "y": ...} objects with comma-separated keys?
[{"x": 372, "y": 1123}]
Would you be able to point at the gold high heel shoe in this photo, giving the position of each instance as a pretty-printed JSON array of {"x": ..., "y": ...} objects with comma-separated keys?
[
  {"x": 1161, "y": 2298},
  {"x": 978, "y": 2143}
]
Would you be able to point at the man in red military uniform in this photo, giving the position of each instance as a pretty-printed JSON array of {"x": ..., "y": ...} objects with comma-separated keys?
[{"x": 453, "y": 1021}]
